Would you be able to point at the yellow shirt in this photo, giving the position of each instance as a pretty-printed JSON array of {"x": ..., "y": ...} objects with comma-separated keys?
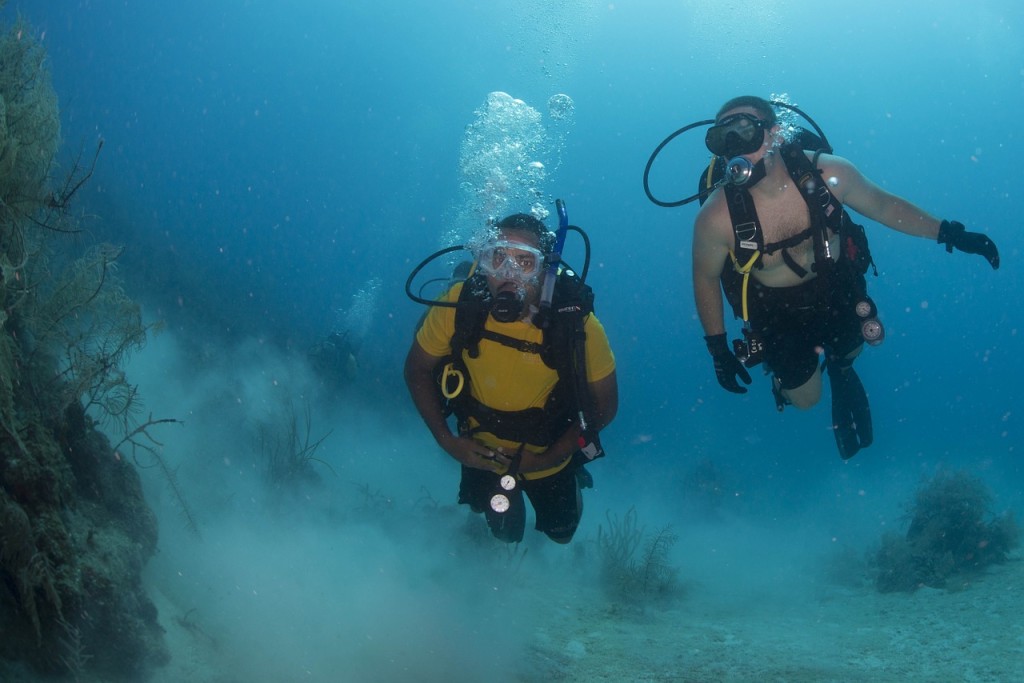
[{"x": 505, "y": 378}]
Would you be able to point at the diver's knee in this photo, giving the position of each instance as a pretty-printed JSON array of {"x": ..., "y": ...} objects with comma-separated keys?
[
  {"x": 561, "y": 538},
  {"x": 562, "y": 535},
  {"x": 807, "y": 394},
  {"x": 801, "y": 401}
]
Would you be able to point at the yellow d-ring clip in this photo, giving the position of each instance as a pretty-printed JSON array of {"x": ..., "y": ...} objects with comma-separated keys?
[{"x": 451, "y": 371}]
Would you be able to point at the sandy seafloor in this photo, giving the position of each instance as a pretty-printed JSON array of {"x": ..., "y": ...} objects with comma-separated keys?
[
  {"x": 852, "y": 635},
  {"x": 969, "y": 631}
]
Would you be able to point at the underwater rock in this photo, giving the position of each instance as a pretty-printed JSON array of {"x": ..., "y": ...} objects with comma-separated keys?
[{"x": 75, "y": 537}]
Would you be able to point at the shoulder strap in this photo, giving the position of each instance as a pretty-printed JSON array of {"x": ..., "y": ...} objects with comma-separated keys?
[
  {"x": 572, "y": 302},
  {"x": 806, "y": 174},
  {"x": 746, "y": 227},
  {"x": 470, "y": 316},
  {"x": 853, "y": 239},
  {"x": 565, "y": 350}
]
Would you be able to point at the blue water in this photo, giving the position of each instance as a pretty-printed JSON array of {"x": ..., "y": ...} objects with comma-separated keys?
[{"x": 263, "y": 162}]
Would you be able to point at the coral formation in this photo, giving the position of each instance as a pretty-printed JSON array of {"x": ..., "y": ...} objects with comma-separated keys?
[
  {"x": 288, "y": 451},
  {"x": 75, "y": 530},
  {"x": 952, "y": 533},
  {"x": 631, "y": 575}
]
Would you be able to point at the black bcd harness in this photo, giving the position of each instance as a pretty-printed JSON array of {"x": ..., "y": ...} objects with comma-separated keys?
[
  {"x": 562, "y": 349},
  {"x": 827, "y": 215}
]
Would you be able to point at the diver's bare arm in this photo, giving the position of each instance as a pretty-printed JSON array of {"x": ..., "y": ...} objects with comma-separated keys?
[
  {"x": 709, "y": 254},
  {"x": 605, "y": 394},
  {"x": 419, "y": 377},
  {"x": 859, "y": 193}
]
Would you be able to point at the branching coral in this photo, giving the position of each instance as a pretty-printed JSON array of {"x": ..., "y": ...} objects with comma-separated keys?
[
  {"x": 141, "y": 440},
  {"x": 628, "y": 575},
  {"x": 74, "y": 528},
  {"x": 952, "y": 532},
  {"x": 288, "y": 451},
  {"x": 88, "y": 326}
]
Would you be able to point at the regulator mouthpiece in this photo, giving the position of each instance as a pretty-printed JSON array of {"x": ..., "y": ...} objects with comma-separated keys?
[
  {"x": 738, "y": 170},
  {"x": 507, "y": 307}
]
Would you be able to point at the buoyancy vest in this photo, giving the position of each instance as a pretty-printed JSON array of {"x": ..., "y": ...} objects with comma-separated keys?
[
  {"x": 828, "y": 217},
  {"x": 562, "y": 349}
]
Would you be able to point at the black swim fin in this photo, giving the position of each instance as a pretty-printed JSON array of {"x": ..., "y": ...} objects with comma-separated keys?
[
  {"x": 851, "y": 414},
  {"x": 584, "y": 478}
]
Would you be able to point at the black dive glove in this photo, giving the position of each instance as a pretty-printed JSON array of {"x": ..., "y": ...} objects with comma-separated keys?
[
  {"x": 727, "y": 365},
  {"x": 955, "y": 236}
]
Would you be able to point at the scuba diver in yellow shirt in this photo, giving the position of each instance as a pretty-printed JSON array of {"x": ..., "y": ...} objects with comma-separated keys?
[{"x": 517, "y": 354}]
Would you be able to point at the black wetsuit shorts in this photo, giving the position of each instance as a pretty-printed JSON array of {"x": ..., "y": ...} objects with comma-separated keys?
[
  {"x": 556, "y": 501},
  {"x": 797, "y": 323}
]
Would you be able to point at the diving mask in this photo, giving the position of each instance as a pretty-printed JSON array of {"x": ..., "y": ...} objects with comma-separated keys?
[
  {"x": 511, "y": 260},
  {"x": 736, "y": 135}
]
